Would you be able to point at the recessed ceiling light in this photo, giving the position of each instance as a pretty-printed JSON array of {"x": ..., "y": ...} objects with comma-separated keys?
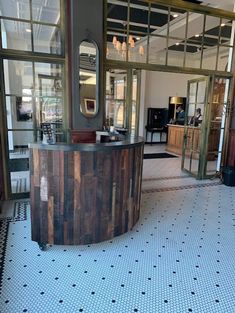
[
  {"x": 28, "y": 30},
  {"x": 197, "y": 35},
  {"x": 177, "y": 43},
  {"x": 222, "y": 24},
  {"x": 175, "y": 15},
  {"x": 137, "y": 38}
]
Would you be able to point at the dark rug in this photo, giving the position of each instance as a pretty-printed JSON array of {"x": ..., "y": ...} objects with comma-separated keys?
[{"x": 159, "y": 155}]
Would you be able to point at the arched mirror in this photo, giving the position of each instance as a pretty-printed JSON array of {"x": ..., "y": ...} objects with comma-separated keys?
[{"x": 88, "y": 78}]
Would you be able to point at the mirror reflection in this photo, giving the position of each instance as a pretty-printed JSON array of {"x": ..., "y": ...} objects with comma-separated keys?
[{"x": 88, "y": 78}]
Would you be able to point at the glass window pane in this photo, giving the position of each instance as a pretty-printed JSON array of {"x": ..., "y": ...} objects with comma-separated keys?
[
  {"x": 224, "y": 53},
  {"x": 201, "y": 92},
  {"x": 16, "y": 35},
  {"x": 209, "y": 60},
  {"x": 46, "y": 11},
  {"x": 16, "y": 9},
  {"x": 175, "y": 53},
  {"x": 18, "y": 77},
  {"x": 18, "y": 163},
  {"x": 177, "y": 26},
  {"x": 115, "y": 98},
  {"x": 157, "y": 50},
  {"x": 46, "y": 39},
  {"x": 48, "y": 79},
  {"x": 49, "y": 94},
  {"x": 19, "y": 112}
]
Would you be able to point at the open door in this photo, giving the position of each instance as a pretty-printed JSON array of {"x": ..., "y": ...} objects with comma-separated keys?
[
  {"x": 195, "y": 127},
  {"x": 203, "y": 144}
]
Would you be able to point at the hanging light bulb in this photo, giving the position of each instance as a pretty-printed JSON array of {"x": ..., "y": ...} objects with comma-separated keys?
[
  {"x": 132, "y": 43},
  {"x": 130, "y": 39},
  {"x": 141, "y": 50},
  {"x": 114, "y": 40},
  {"x": 118, "y": 46},
  {"x": 107, "y": 51},
  {"x": 124, "y": 46}
]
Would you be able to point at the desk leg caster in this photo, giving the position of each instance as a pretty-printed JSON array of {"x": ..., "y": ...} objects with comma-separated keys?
[{"x": 42, "y": 246}]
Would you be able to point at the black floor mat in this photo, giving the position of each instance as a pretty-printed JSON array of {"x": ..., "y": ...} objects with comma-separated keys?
[{"x": 159, "y": 155}]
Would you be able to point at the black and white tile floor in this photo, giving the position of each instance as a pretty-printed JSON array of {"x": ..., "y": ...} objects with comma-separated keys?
[{"x": 180, "y": 256}]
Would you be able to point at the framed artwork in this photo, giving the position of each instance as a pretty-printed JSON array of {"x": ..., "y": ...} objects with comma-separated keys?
[
  {"x": 23, "y": 109},
  {"x": 90, "y": 106}
]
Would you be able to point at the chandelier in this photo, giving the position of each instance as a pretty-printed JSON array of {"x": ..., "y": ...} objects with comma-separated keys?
[{"x": 122, "y": 47}]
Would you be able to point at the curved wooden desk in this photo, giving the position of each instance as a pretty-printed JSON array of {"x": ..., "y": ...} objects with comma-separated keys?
[{"x": 84, "y": 193}]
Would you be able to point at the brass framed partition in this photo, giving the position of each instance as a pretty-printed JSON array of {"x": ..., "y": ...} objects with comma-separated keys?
[
  {"x": 170, "y": 44},
  {"x": 22, "y": 61}
]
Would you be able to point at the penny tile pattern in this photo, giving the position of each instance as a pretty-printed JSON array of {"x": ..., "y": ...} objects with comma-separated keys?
[{"x": 178, "y": 258}]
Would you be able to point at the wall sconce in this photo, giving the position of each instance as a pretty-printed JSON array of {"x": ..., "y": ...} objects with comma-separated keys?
[{"x": 176, "y": 101}]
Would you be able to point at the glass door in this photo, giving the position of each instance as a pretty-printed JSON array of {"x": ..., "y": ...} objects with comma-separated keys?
[
  {"x": 122, "y": 100},
  {"x": 218, "y": 108},
  {"x": 195, "y": 124}
]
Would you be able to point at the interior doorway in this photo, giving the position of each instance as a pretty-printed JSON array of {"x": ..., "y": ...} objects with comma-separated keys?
[{"x": 199, "y": 143}]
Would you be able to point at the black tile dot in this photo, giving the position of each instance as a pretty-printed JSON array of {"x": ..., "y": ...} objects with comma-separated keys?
[
  {"x": 42, "y": 293},
  {"x": 92, "y": 292},
  {"x": 143, "y": 293},
  {"x": 7, "y": 301},
  {"x": 217, "y": 301},
  {"x": 165, "y": 301},
  {"x": 73, "y": 285},
  {"x": 25, "y": 310},
  {"x": 113, "y": 301},
  {"x": 61, "y": 301},
  {"x": 122, "y": 285},
  {"x": 80, "y": 310}
]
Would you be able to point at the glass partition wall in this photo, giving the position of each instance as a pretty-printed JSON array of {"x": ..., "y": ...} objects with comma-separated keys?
[
  {"x": 179, "y": 37},
  {"x": 154, "y": 33},
  {"x": 32, "y": 65}
]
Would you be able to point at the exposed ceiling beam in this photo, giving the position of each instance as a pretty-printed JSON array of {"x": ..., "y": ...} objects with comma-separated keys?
[
  {"x": 194, "y": 8},
  {"x": 131, "y": 23},
  {"x": 141, "y": 7}
]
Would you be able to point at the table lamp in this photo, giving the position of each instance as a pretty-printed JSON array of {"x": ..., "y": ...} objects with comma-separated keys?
[{"x": 176, "y": 101}]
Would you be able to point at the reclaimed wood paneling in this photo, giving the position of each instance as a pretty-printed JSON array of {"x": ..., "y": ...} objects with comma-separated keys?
[
  {"x": 81, "y": 197},
  {"x": 1, "y": 175},
  {"x": 231, "y": 148}
]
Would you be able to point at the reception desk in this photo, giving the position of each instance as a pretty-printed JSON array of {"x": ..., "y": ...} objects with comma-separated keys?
[
  {"x": 84, "y": 193},
  {"x": 176, "y": 140}
]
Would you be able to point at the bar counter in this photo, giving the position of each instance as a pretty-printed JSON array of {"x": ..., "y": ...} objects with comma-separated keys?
[{"x": 84, "y": 193}]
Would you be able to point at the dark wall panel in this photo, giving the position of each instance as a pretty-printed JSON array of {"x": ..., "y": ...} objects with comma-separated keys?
[{"x": 87, "y": 22}]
